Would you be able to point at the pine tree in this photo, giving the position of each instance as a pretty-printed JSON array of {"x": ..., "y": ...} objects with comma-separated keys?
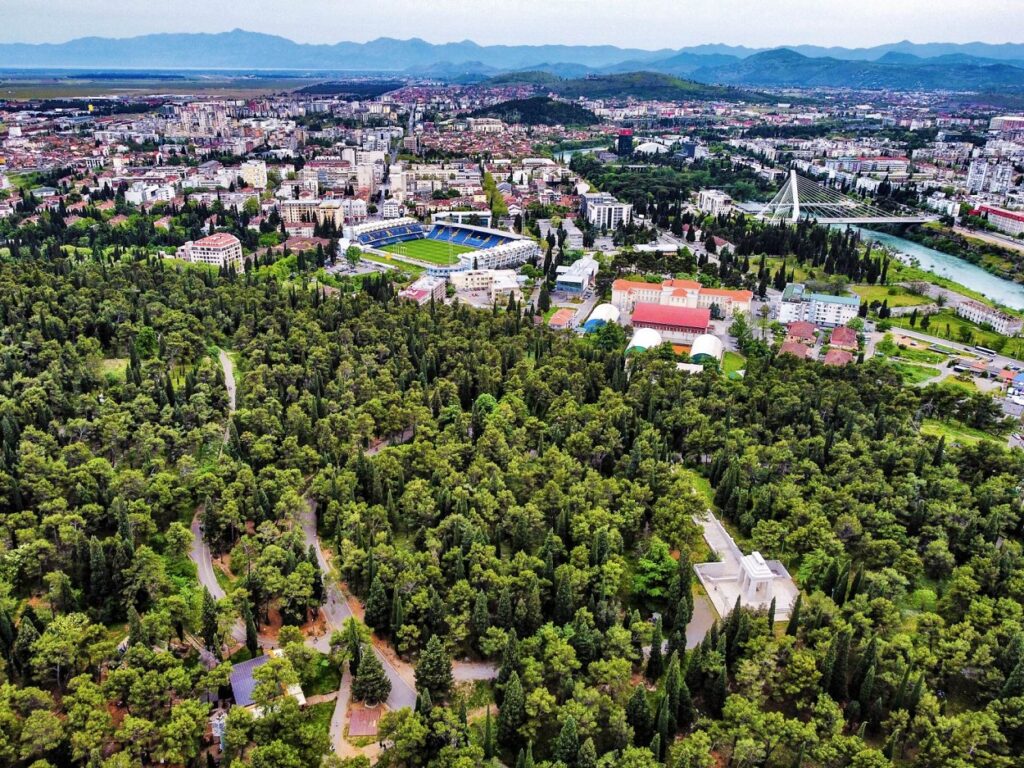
[
  {"x": 512, "y": 712},
  {"x": 434, "y": 672},
  {"x": 377, "y": 608},
  {"x": 370, "y": 684},
  {"x": 567, "y": 745}
]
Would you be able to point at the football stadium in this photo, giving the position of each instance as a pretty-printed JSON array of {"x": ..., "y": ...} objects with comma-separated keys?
[{"x": 443, "y": 248}]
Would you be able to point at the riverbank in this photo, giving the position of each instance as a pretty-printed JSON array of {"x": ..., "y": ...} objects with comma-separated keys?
[{"x": 916, "y": 262}]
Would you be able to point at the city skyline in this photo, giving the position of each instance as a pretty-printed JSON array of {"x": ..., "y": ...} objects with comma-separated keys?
[{"x": 646, "y": 24}]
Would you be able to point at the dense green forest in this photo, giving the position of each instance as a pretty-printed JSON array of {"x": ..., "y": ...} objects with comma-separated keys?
[
  {"x": 535, "y": 510},
  {"x": 539, "y": 110}
]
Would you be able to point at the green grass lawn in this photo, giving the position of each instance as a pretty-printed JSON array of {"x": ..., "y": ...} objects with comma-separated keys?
[
  {"x": 946, "y": 325},
  {"x": 320, "y": 717},
  {"x": 896, "y": 295},
  {"x": 113, "y": 366},
  {"x": 915, "y": 374},
  {"x": 327, "y": 679},
  {"x": 413, "y": 269},
  {"x": 957, "y": 433},
  {"x": 433, "y": 251},
  {"x": 732, "y": 362}
]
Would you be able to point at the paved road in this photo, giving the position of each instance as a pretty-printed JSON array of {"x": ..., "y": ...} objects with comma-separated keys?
[
  {"x": 201, "y": 556},
  {"x": 336, "y": 612},
  {"x": 200, "y": 551},
  {"x": 991, "y": 237}
]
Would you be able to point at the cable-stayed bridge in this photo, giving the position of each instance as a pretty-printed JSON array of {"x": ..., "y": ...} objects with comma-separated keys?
[{"x": 801, "y": 198}]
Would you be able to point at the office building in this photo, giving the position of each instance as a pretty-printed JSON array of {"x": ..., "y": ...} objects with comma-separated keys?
[{"x": 220, "y": 249}]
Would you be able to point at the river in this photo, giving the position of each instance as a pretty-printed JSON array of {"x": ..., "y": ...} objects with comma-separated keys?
[
  {"x": 999, "y": 290},
  {"x": 566, "y": 154}
]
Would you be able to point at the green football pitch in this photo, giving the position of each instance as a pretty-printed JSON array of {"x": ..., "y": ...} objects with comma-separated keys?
[{"x": 433, "y": 251}]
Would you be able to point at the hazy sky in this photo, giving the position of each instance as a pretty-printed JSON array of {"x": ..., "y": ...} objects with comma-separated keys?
[{"x": 637, "y": 23}]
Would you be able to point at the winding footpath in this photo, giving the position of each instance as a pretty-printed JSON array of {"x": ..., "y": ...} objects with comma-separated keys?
[{"x": 336, "y": 609}]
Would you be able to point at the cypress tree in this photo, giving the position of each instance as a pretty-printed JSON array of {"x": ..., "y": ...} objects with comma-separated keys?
[
  {"x": 587, "y": 757},
  {"x": 377, "y": 609},
  {"x": 509, "y": 659},
  {"x": 656, "y": 660},
  {"x": 687, "y": 713},
  {"x": 563, "y": 602},
  {"x": 638, "y": 715},
  {"x": 771, "y": 616},
  {"x": 794, "y": 617},
  {"x": 488, "y": 737},
  {"x": 504, "y": 616},
  {"x": 840, "y": 672},
  {"x": 434, "y": 672},
  {"x": 209, "y": 620},
  {"x": 1014, "y": 685},
  {"x": 481, "y": 618},
  {"x": 567, "y": 745},
  {"x": 512, "y": 712},
  {"x": 370, "y": 684}
]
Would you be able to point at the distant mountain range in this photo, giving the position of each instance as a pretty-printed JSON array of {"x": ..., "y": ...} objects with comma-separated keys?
[{"x": 903, "y": 65}]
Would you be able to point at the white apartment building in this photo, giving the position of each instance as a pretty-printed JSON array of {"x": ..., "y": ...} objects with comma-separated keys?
[
  {"x": 603, "y": 210},
  {"x": 390, "y": 209},
  {"x": 496, "y": 283},
  {"x": 821, "y": 309},
  {"x": 988, "y": 175},
  {"x": 220, "y": 249},
  {"x": 714, "y": 201},
  {"x": 1002, "y": 323},
  {"x": 254, "y": 173}
]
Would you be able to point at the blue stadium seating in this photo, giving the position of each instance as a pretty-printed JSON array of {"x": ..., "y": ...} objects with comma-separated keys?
[
  {"x": 391, "y": 235},
  {"x": 459, "y": 236}
]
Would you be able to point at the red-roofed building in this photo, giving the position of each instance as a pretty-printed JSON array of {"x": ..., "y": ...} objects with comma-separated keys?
[
  {"x": 800, "y": 331},
  {"x": 1010, "y": 222},
  {"x": 796, "y": 349},
  {"x": 563, "y": 318},
  {"x": 837, "y": 357},
  {"x": 220, "y": 249},
  {"x": 843, "y": 337},
  {"x": 673, "y": 323},
  {"x": 626, "y": 294}
]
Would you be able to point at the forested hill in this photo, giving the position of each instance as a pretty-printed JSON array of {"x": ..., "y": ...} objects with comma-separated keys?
[
  {"x": 637, "y": 85},
  {"x": 539, "y": 110},
  {"x": 538, "y": 516}
]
